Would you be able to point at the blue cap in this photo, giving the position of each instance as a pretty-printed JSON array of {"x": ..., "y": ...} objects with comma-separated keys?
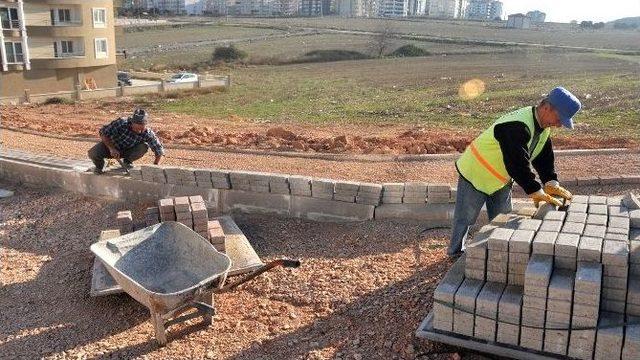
[{"x": 565, "y": 103}]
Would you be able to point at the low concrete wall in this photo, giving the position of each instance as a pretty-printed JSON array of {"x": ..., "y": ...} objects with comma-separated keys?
[
  {"x": 259, "y": 195},
  {"x": 214, "y": 82}
]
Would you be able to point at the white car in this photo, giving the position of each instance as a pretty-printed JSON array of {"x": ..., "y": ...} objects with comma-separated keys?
[{"x": 183, "y": 78}]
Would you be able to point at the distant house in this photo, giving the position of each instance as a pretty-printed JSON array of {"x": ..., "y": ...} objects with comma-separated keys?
[
  {"x": 518, "y": 21},
  {"x": 536, "y": 16}
]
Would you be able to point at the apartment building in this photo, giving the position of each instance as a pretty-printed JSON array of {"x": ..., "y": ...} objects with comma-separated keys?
[
  {"x": 394, "y": 8},
  {"x": 536, "y": 16},
  {"x": 444, "y": 8},
  {"x": 484, "y": 10},
  {"x": 54, "y": 45}
]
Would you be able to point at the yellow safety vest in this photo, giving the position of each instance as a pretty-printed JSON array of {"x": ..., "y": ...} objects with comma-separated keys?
[{"x": 482, "y": 163}]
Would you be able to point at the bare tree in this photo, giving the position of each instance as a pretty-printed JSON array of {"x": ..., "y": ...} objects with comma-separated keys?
[{"x": 382, "y": 40}]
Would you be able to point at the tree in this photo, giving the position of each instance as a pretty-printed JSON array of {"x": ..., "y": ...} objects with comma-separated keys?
[{"x": 382, "y": 40}]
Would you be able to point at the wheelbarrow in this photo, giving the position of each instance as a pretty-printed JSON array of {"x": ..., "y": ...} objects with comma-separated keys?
[{"x": 171, "y": 269}]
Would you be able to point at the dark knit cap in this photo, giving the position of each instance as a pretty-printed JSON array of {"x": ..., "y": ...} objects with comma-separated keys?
[{"x": 139, "y": 117}]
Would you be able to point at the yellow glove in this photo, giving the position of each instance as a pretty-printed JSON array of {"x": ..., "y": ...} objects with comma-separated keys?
[
  {"x": 553, "y": 188},
  {"x": 540, "y": 196}
]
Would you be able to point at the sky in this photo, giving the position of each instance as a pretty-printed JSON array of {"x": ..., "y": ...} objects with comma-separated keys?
[{"x": 567, "y": 10}]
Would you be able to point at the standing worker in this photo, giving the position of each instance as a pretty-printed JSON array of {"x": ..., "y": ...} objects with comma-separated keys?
[
  {"x": 127, "y": 139},
  {"x": 505, "y": 153}
]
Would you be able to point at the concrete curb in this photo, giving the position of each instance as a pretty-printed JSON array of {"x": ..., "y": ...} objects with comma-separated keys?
[{"x": 365, "y": 158}]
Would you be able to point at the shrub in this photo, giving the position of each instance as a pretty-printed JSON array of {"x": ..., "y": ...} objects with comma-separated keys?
[
  {"x": 332, "y": 55},
  {"x": 228, "y": 54},
  {"x": 409, "y": 50},
  {"x": 56, "y": 100}
]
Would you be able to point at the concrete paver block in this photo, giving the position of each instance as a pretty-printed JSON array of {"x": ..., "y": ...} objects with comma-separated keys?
[
  {"x": 590, "y": 249},
  {"x": 633, "y": 295},
  {"x": 585, "y": 310},
  {"x": 530, "y": 224},
  {"x": 576, "y": 217},
  {"x": 521, "y": 240},
  {"x": 488, "y": 299},
  {"x": 556, "y": 341},
  {"x": 596, "y": 219},
  {"x": 465, "y": 300},
  {"x": 616, "y": 237},
  {"x": 614, "y": 306},
  {"x": 536, "y": 291},
  {"x": 573, "y": 228},
  {"x": 614, "y": 294},
  {"x": 561, "y": 285},
  {"x": 300, "y": 185},
  {"x": 558, "y": 306},
  {"x": 598, "y": 209},
  {"x": 328, "y": 210},
  {"x": 477, "y": 249},
  {"x": 615, "y": 270},
  {"x": 615, "y": 253},
  {"x": 564, "y": 262},
  {"x": 609, "y": 340},
  {"x": 531, "y": 338},
  {"x": 510, "y": 305},
  {"x": 499, "y": 239},
  {"x": 634, "y": 235},
  {"x": 533, "y": 302},
  {"x": 497, "y": 276},
  {"x": 555, "y": 216},
  {"x": 551, "y": 225},
  {"x": 544, "y": 242},
  {"x": 581, "y": 344},
  {"x": 577, "y": 207},
  {"x": 580, "y": 199},
  {"x": 595, "y": 231},
  {"x": 618, "y": 211},
  {"x": 619, "y": 222},
  {"x": 539, "y": 270},
  {"x": 597, "y": 199},
  {"x": 634, "y": 219},
  {"x": 631, "y": 201},
  {"x": 567, "y": 245},
  {"x": 631, "y": 347}
]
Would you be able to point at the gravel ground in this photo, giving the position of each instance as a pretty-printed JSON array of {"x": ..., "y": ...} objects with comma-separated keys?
[
  {"x": 360, "y": 294},
  {"x": 391, "y": 171}
]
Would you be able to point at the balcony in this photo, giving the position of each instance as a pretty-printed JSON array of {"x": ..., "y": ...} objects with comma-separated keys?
[
  {"x": 66, "y": 23},
  {"x": 10, "y": 24}
]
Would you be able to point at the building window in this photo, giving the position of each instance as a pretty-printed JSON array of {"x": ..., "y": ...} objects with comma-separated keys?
[
  {"x": 101, "y": 48},
  {"x": 99, "y": 17},
  {"x": 64, "y": 48},
  {"x": 9, "y": 18},
  {"x": 14, "y": 52},
  {"x": 61, "y": 17}
]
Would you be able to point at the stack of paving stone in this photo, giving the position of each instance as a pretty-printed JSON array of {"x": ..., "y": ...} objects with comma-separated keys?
[
  {"x": 415, "y": 193},
  {"x": 577, "y": 291},
  {"x": 258, "y": 182},
  {"x": 279, "y": 184},
  {"x": 322, "y": 188},
  {"x": 181, "y": 176},
  {"x": 240, "y": 180},
  {"x": 183, "y": 211},
  {"x": 369, "y": 194},
  {"x": 203, "y": 178},
  {"x": 534, "y": 301},
  {"x": 438, "y": 193},
  {"x": 125, "y": 221},
  {"x": 300, "y": 185},
  {"x": 586, "y": 308},
  {"x": 346, "y": 191},
  {"x": 153, "y": 173},
  {"x": 220, "y": 179},
  {"x": 216, "y": 235},
  {"x": 392, "y": 193},
  {"x": 152, "y": 215},
  {"x": 199, "y": 215},
  {"x": 167, "y": 211}
]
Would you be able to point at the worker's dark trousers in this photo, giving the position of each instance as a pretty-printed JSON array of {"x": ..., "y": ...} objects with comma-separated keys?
[{"x": 99, "y": 152}]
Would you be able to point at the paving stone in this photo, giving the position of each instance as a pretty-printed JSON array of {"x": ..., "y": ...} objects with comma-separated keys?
[
  {"x": 580, "y": 199},
  {"x": 535, "y": 291},
  {"x": 393, "y": 188},
  {"x": 181, "y": 204},
  {"x": 609, "y": 340},
  {"x": 530, "y": 224},
  {"x": 527, "y": 211},
  {"x": 556, "y": 341},
  {"x": 300, "y": 185},
  {"x": 474, "y": 263},
  {"x": 634, "y": 235},
  {"x": 584, "y": 323},
  {"x": 515, "y": 279},
  {"x": 344, "y": 198},
  {"x": 633, "y": 294},
  {"x": 633, "y": 309},
  {"x": 615, "y": 230},
  {"x": 598, "y": 209},
  {"x": 446, "y": 289},
  {"x": 497, "y": 276},
  {"x": 618, "y": 211},
  {"x": 590, "y": 249},
  {"x": 576, "y": 217},
  {"x": 581, "y": 344},
  {"x": 476, "y": 274},
  {"x": 561, "y": 285},
  {"x": 615, "y": 253},
  {"x": 614, "y": 306},
  {"x": 519, "y": 258},
  {"x": 477, "y": 249},
  {"x": 488, "y": 300},
  {"x": 534, "y": 302},
  {"x": 614, "y": 282},
  {"x": 347, "y": 187},
  {"x": 615, "y": 270},
  {"x": 597, "y": 199},
  {"x": 616, "y": 237},
  {"x": 567, "y": 245},
  {"x": 531, "y": 338},
  {"x": 595, "y": 231},
  {"x": 577, "y": 207},
  {"x": 465, "y": 300},
  {"x": 572, "y": 228},
  {"x": 438, "y": 198},
  {"x": 631, "y": 347},
  {"x": 631, "y": 201},
  {"x": 521, "y": 240},
  {"x": 634, "y": 219},
  {"x": 544, "y": 243},
  {"x": 322, "y": 188},
  {"x": 416, "y": 187},
  {"x": 610, "y": 180},
  {"x": 588, "y": 277},
  {"x": 587, "y": 311},
  {"x": 555, "y": 215},
  {"x": 539, "y": 270},
  {"x": 564, "y": 262},
  {"x": 499, "y": 239},
  {"x": 551, "y": 225},
  {"x": 596, "y": 219},
  {"x": 533, "y": 317},
  {"x": 614, "y": 294},
  {"x": 619, "y": 222},
  {"x": 559, "y": 306}
]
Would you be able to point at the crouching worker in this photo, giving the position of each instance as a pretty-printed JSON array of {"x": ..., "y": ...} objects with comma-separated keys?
[
  {"x": 127, "y": 139},
  {"x": 505, "y": 153}
]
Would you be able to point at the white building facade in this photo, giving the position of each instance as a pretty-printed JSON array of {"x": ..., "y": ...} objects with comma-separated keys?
[
  {"x": 394, "y": 8},
  {"x": 484, "y": 10}
]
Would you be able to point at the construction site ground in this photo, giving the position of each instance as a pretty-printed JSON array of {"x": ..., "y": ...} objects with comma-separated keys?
[{"x": 360, "y": 294}]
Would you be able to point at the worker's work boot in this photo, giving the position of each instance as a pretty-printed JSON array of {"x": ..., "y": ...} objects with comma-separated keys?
[{"x": 97, "y": 171}]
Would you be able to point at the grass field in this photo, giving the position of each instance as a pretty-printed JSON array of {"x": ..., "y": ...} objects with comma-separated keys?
[
  {"x": 550, "y": 34},
  {"x": 424, "y": 91}
]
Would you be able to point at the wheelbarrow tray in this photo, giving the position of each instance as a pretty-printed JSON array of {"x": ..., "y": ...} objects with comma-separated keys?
[{"x": 163, "y": 266}]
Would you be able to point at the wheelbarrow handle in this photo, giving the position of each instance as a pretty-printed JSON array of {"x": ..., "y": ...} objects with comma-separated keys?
[{"x": 273, "y": 264}]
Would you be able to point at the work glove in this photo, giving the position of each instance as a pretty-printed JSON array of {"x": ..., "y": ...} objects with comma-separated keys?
[
  {"x": 553, "y": 188},
  {"x": 540, "y": 196}
]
